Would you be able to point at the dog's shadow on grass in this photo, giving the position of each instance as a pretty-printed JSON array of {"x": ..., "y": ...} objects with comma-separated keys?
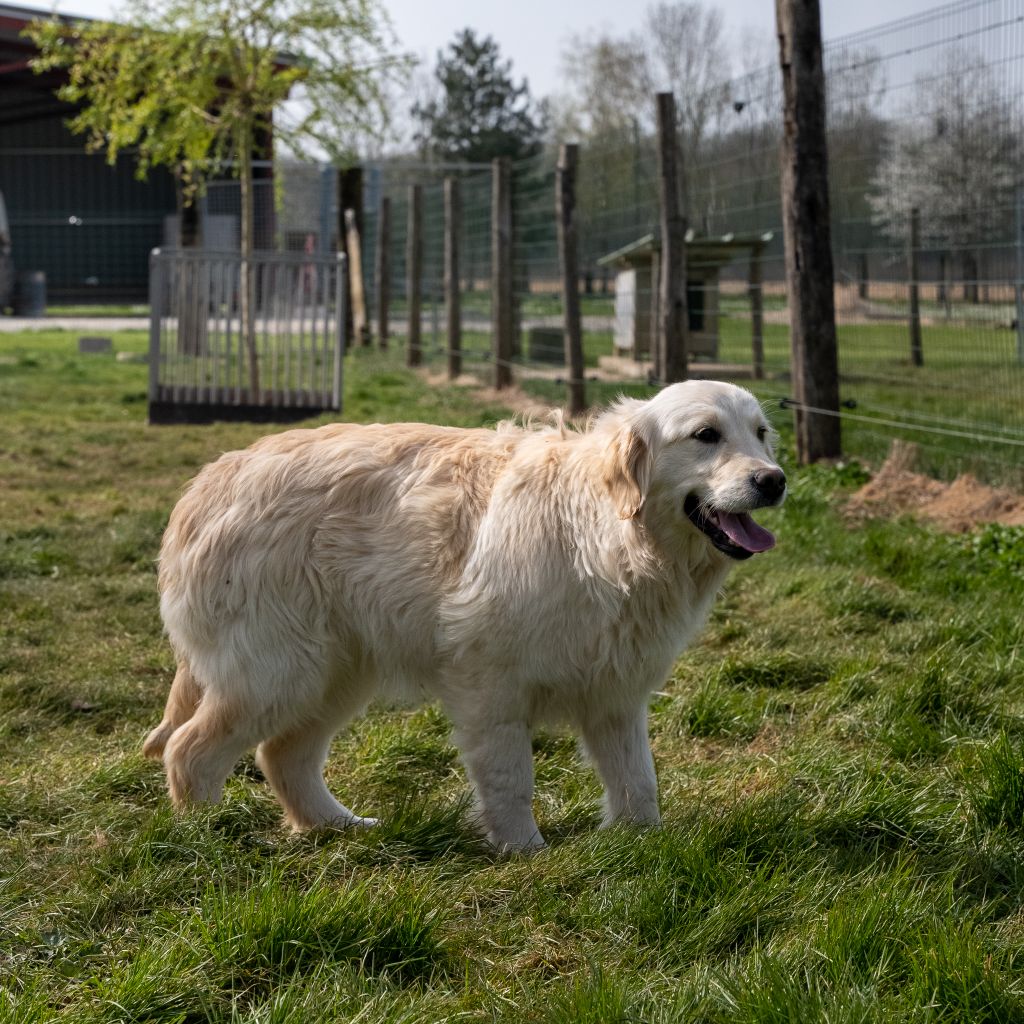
[{"x": 420, "y": 829}]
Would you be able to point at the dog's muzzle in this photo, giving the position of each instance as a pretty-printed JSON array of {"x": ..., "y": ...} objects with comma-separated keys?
[{"x": 735, "y": 533}]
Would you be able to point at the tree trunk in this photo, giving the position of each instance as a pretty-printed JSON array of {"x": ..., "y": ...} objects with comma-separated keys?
[{"x": 192, "y": 298}]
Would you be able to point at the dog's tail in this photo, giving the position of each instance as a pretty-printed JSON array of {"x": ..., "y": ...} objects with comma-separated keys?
[{"x": 181, "y": 705}]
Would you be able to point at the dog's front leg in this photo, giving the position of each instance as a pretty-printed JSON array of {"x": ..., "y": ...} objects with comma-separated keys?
[
  {"x": 499, "y": 762},
  {"x": 618, "y": 745}
]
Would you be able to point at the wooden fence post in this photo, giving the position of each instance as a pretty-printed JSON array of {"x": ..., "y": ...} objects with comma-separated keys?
[
  {"x": 382, "y": 277},
  {"x": 350, "y": 200},
  {"x": 357, "y": 290},
  {"x": 452, "y": 296},
  {"x": 913, "y": 247},
  {"x": 654, "y": 347},
  {"x": 501, "y": 270},
  {"x": 755, "y": 289},
  {"x": 863, "y": 275},
  {"x": 673, "y": 323},
  {"x": 565, "y": 215},
  {"x": 805, "y": 216},
  {"x": 414, "y": 275},
  {"x": 1018, "y": 284}
]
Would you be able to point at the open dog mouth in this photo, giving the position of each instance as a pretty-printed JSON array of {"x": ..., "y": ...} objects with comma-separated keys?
[{"x": 734, "y": 533}]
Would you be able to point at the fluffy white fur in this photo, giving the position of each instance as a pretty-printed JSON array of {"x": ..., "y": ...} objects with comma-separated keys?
[{"x": 517, "y": 576}]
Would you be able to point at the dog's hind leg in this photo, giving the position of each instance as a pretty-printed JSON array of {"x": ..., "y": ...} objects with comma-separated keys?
[
  {"x": 200, "y": 754},
  {"x": 618, "y": 745},
  {"x": 293, "y": 763},
  {"x": 182, "y": 702}
]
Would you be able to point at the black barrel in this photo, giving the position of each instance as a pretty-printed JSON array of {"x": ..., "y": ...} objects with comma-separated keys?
[{"x": 30, "y": 293}]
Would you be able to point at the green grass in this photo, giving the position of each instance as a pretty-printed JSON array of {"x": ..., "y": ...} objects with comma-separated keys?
[
  {"x": 841, "y": 760},
  {"x": 98, "y": 309}
]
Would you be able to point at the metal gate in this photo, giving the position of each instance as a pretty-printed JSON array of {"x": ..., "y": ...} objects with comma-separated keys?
[{"x": 210, "y": 359}]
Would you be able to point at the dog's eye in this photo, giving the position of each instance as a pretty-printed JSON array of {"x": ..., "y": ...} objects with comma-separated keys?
[
  {"x": 708, "y": 435},
  {"x": 762, "y": 433}
]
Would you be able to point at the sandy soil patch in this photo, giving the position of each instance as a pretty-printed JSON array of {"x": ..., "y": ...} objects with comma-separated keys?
[{"x": 896, "y": 489}]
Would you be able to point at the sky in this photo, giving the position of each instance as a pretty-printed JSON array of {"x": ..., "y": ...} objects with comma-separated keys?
[{"x": 533, "y": 33}]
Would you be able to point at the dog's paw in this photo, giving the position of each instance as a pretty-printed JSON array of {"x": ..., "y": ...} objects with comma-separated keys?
[
  {"x": 530, "y": 843},
  {"x": 336, "y": 824},
  {"x": 357, "y": 822}
]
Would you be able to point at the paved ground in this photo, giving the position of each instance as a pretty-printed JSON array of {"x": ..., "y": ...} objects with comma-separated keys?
[{"x": 89, "y": 324}]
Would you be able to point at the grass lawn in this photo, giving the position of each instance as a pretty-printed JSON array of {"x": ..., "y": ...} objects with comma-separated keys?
[{"x": 841, "y": 759}]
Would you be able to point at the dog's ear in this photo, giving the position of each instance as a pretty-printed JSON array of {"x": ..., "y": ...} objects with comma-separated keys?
[{"x": 628, "y": 472}]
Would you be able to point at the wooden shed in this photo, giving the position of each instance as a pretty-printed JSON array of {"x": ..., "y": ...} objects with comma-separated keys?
[{"x": 636, "y": 293}]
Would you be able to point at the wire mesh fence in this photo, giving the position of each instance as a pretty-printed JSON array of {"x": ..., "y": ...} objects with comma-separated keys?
[
  {"x": 926, "y": 122},
  {"x": 926, "y": 145}
]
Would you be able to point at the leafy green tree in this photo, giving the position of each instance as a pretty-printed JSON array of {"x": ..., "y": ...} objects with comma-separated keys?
[
  {"x": 480, "y": 112},
  {"x": 198, "y": 85}
]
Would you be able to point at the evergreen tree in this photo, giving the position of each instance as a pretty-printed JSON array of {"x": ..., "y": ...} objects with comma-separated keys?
[{"x": 479, "y": 112}]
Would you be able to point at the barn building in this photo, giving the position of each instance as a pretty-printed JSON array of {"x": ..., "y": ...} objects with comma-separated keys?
[{"x": 88, "y": 225}]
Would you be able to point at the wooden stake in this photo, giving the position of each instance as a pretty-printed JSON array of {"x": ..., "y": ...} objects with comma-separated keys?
[
  {"x": 350, "y": 199},
  {"x": 755, "y": 290},
  {"x": 414, "y": 274},
  {"x": 382, "y": 276},
  {"x": 452, "y": 296},
  {"x": 360, "y": 328},
  {"x": 501, "y": 270},
  {"x": 913, "y": 247}
]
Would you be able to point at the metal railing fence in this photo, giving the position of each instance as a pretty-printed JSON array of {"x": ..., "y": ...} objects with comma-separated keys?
[{"x": 213, "y": 358}]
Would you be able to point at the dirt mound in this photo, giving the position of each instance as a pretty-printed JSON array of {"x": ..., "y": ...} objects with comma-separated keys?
[{"x": 956, "y": 507}]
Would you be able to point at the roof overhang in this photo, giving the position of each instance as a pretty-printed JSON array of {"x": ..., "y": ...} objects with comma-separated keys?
[{"x": 700, "y": 250}]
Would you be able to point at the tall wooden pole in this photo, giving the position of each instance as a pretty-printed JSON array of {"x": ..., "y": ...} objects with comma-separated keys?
[
  {"x": 805, "y": 217},
  {"x": 452, "y": 296},
  {"x": 501, "y": 270},
  {"x": 913, "y": 247},
  {"x": 565, "y": 218},
  {"x": 414, "y": 275},
  {"x": 383, "y": 270},
  {"x": 673, "y": 323}
]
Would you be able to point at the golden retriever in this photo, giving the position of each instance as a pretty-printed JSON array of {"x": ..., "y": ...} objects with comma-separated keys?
[{"x": 516, "y": 575}]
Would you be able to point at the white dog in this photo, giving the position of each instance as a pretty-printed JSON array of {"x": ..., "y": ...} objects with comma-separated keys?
[{"x": 518, "y": 576}]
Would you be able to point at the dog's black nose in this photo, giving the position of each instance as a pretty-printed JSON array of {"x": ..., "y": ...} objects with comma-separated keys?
[{"x": 770, "y": 483}]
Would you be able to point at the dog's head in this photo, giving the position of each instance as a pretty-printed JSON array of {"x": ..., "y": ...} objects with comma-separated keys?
[{"x": 698, "y": 454}]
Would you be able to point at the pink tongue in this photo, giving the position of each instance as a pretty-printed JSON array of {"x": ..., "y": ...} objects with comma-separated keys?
[{"x": 742, "y": 530}]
